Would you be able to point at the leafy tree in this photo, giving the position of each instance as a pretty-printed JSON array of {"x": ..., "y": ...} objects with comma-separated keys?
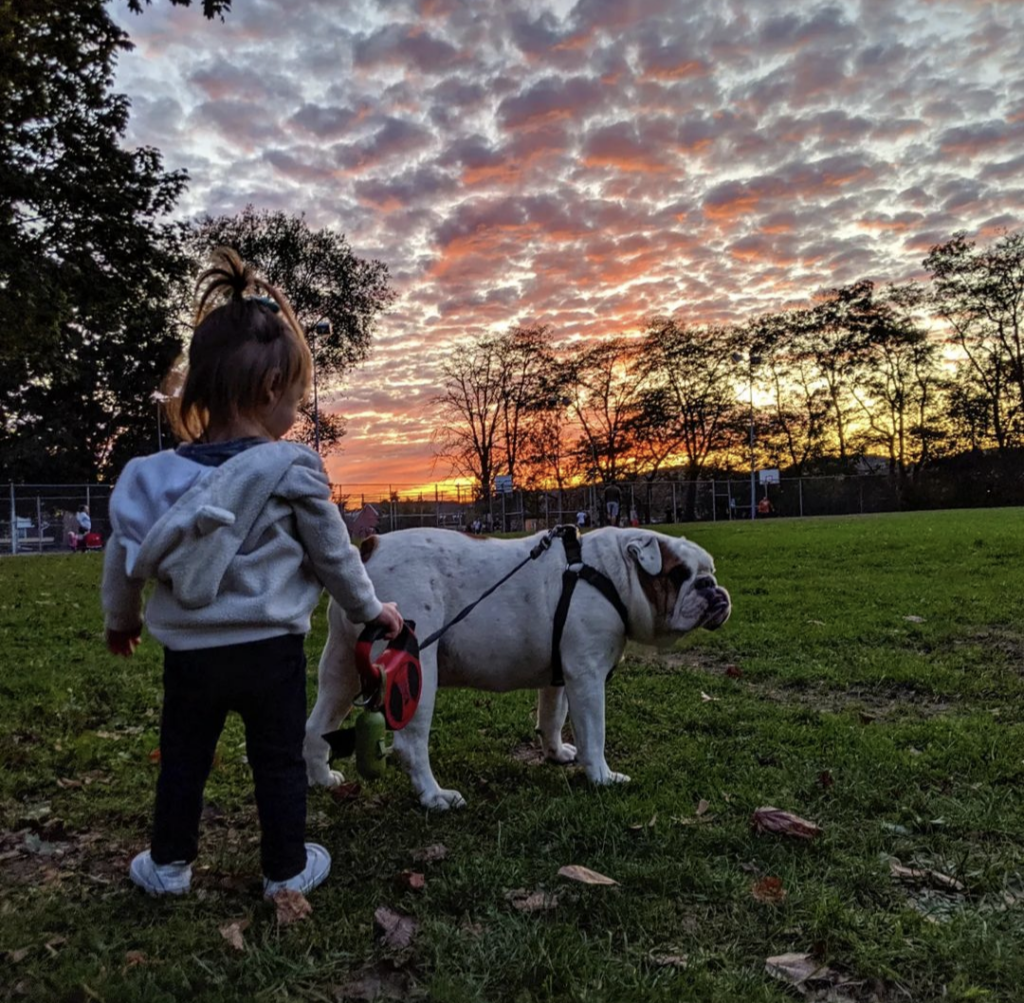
[
  {"x": 686, "y": 398},
  {"x": 900, "y": 383},
  {"x": 604, "y": 397},
  {"x": 87, "y": 270},
  {"x": 979, "y": 293},
  {"x": 469, "y": 414}
]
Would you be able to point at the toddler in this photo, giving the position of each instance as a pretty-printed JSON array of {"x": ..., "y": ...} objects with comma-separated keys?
[{"x": 238, "y": 531}]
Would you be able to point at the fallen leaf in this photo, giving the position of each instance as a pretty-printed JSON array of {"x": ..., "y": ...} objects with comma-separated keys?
[
  {"x": 768, "y": 890},
  {"x": 394, "y": 929},
  {"x": 797, "y": 968},
  {"x": 734, "y": 672},
  {"x": 535, "y": 901},
  {"x": 135, "y": 958},
  {"x": 702, "y": 807},
  {"x": 154, "y": 756},
  {"x": 412, "y": 880},
  {"x": 670, "y": 960},
  {"x": 649, "y": 824},
  {"x": 291, "y": 906},
  {"x": 817, "y": 623},
  {"x": 692, "y": 819},
  {"x": 707, "y": 699},
  {"x": 825, "y": 778},
  {"x": 53, "y": 943},
  {"x": 925, "y": 874},
  {"x": 350, "y": 791},
  {"x": 232, "y": 933},
  {"x": 428, "y": 854},
  {"x": 575, "y": 872},
  {"x": 769, "y": 819},
  {"x": 18, "y": 955},
  {"x": 914, "y": 619}
]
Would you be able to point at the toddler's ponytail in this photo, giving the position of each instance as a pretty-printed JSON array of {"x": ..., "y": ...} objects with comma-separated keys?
[{"x": 246, "y": 336}]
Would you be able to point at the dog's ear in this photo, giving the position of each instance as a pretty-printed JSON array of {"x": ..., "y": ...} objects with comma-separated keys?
[{"x": 646, "y": 553}]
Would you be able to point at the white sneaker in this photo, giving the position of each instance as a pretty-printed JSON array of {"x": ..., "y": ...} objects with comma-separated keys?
[
  {"x": 160, "y": 879},
  {"x": 318, "y": 866}
]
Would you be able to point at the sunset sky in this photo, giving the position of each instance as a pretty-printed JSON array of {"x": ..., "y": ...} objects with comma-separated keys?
[{"x": 586, "y": 164}]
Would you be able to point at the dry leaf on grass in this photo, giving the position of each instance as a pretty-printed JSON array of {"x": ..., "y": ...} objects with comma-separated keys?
[
  {"x": 914, "y": 619},
  {"x": 20, "y": 954},
  {"x": 411, "y": 880},
  {"x": 133, "y": 959},
  {"x": 428, "y": 854},
  {"x": 291, "y": 906},
  {"x": 925, "y": 874},
  {"x": 734, "y": 672},
  {"x": 706, "y": 698},
  {"x": 649, "y": 824},
  {"x": 535, "y": 901},
  {"x": 669, "y": 960},
  {"x": 394, "y": 929},
  {"x": 768, "y": 890},
  {"x": 350, "y": 791},
  {"x": 232, "y": 933},
  {"x": 575, "y": 872},
  {"x": 798, "y": 970},
  {"x": 785, "y": 823},
  {"x": 702, "y": 807}
]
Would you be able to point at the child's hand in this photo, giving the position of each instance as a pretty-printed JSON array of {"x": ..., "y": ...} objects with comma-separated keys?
[
  {"x": 123, "y": 642},
  {"x": 391, "y": 619}
]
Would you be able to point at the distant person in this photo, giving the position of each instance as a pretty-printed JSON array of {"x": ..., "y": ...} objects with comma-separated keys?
[
  {"x": 84, "y": 523},
  {"x": 764, "y": 506},
  {"x": 581, "y": 518},
  {"x": 612, "y": 501},
  {"x": 239, "y": 533},
  {"x": 634, "y": 518}
]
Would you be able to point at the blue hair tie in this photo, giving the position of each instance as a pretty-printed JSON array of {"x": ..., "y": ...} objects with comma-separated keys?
[{"x": 266, "y": 301}]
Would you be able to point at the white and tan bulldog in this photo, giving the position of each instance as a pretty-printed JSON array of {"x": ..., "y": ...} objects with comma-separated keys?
[{"x": 667, "y": 585}]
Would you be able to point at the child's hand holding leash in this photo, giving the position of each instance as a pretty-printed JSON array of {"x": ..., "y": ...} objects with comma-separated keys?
[
  {"x": 390, "y": 618},
  {"x": 123, "y": 642}
]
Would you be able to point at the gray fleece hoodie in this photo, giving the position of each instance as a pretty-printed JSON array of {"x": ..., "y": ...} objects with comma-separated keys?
[{"x": 239, "y": 552}]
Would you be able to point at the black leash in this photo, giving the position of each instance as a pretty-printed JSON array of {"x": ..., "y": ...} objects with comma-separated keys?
[{"x": 542, "y": 545}]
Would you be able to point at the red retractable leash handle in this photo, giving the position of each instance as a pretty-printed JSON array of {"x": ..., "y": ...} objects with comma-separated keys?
[{"x": 393, "y": 681}]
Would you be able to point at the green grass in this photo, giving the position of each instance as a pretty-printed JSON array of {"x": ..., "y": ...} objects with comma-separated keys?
[{"x": 900, "y": 738}]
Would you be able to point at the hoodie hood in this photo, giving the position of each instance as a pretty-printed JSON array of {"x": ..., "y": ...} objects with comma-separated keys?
[{"x": 191, "y": 545}]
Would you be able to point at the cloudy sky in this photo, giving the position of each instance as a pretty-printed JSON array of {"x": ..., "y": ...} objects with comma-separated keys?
[{"x": 586, "y": 164}]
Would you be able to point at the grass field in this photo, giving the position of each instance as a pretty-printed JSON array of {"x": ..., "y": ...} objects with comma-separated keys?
[{"x": 870, "y": 680}]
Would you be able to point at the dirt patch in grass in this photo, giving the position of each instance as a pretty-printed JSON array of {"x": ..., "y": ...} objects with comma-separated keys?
[
  {"x": 881, "y": 703},
  {"x": 1003, "y": 640}
]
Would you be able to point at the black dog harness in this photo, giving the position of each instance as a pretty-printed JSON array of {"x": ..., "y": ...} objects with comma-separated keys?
[{"x": 575, "y": 569}]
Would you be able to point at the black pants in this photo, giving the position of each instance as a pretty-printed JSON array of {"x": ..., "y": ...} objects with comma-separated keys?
[{"x": 265, "y": 682}]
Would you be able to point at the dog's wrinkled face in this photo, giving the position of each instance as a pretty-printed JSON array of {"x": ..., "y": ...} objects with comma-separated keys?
[{"x": 679, "y": 581}]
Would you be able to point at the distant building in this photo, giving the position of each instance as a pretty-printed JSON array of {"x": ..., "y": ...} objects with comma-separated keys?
[{"x": 362, "y": 523}]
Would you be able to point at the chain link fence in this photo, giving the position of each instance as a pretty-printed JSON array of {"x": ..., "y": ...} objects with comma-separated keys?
[{"x": 41, "y": 518}]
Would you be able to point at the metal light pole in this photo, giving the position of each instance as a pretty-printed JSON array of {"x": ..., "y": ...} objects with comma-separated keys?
[
  {"x": 752, "y": 360},
  {"x": 321, "y": 327}
]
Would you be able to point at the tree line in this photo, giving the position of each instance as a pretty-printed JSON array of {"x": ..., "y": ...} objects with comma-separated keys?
[{"x": 910, "y": 372}]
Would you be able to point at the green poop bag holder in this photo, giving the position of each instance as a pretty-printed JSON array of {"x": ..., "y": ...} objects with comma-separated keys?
[{"x": 391, "y": 685}]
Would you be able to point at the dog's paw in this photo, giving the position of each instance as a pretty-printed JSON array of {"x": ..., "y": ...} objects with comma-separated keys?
[
  {"x": 563, "y": 755},
  {"x": 609, "y": 777},
  {"x": 326, "y": 778},
  {"x": 442, "y": 800}
]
